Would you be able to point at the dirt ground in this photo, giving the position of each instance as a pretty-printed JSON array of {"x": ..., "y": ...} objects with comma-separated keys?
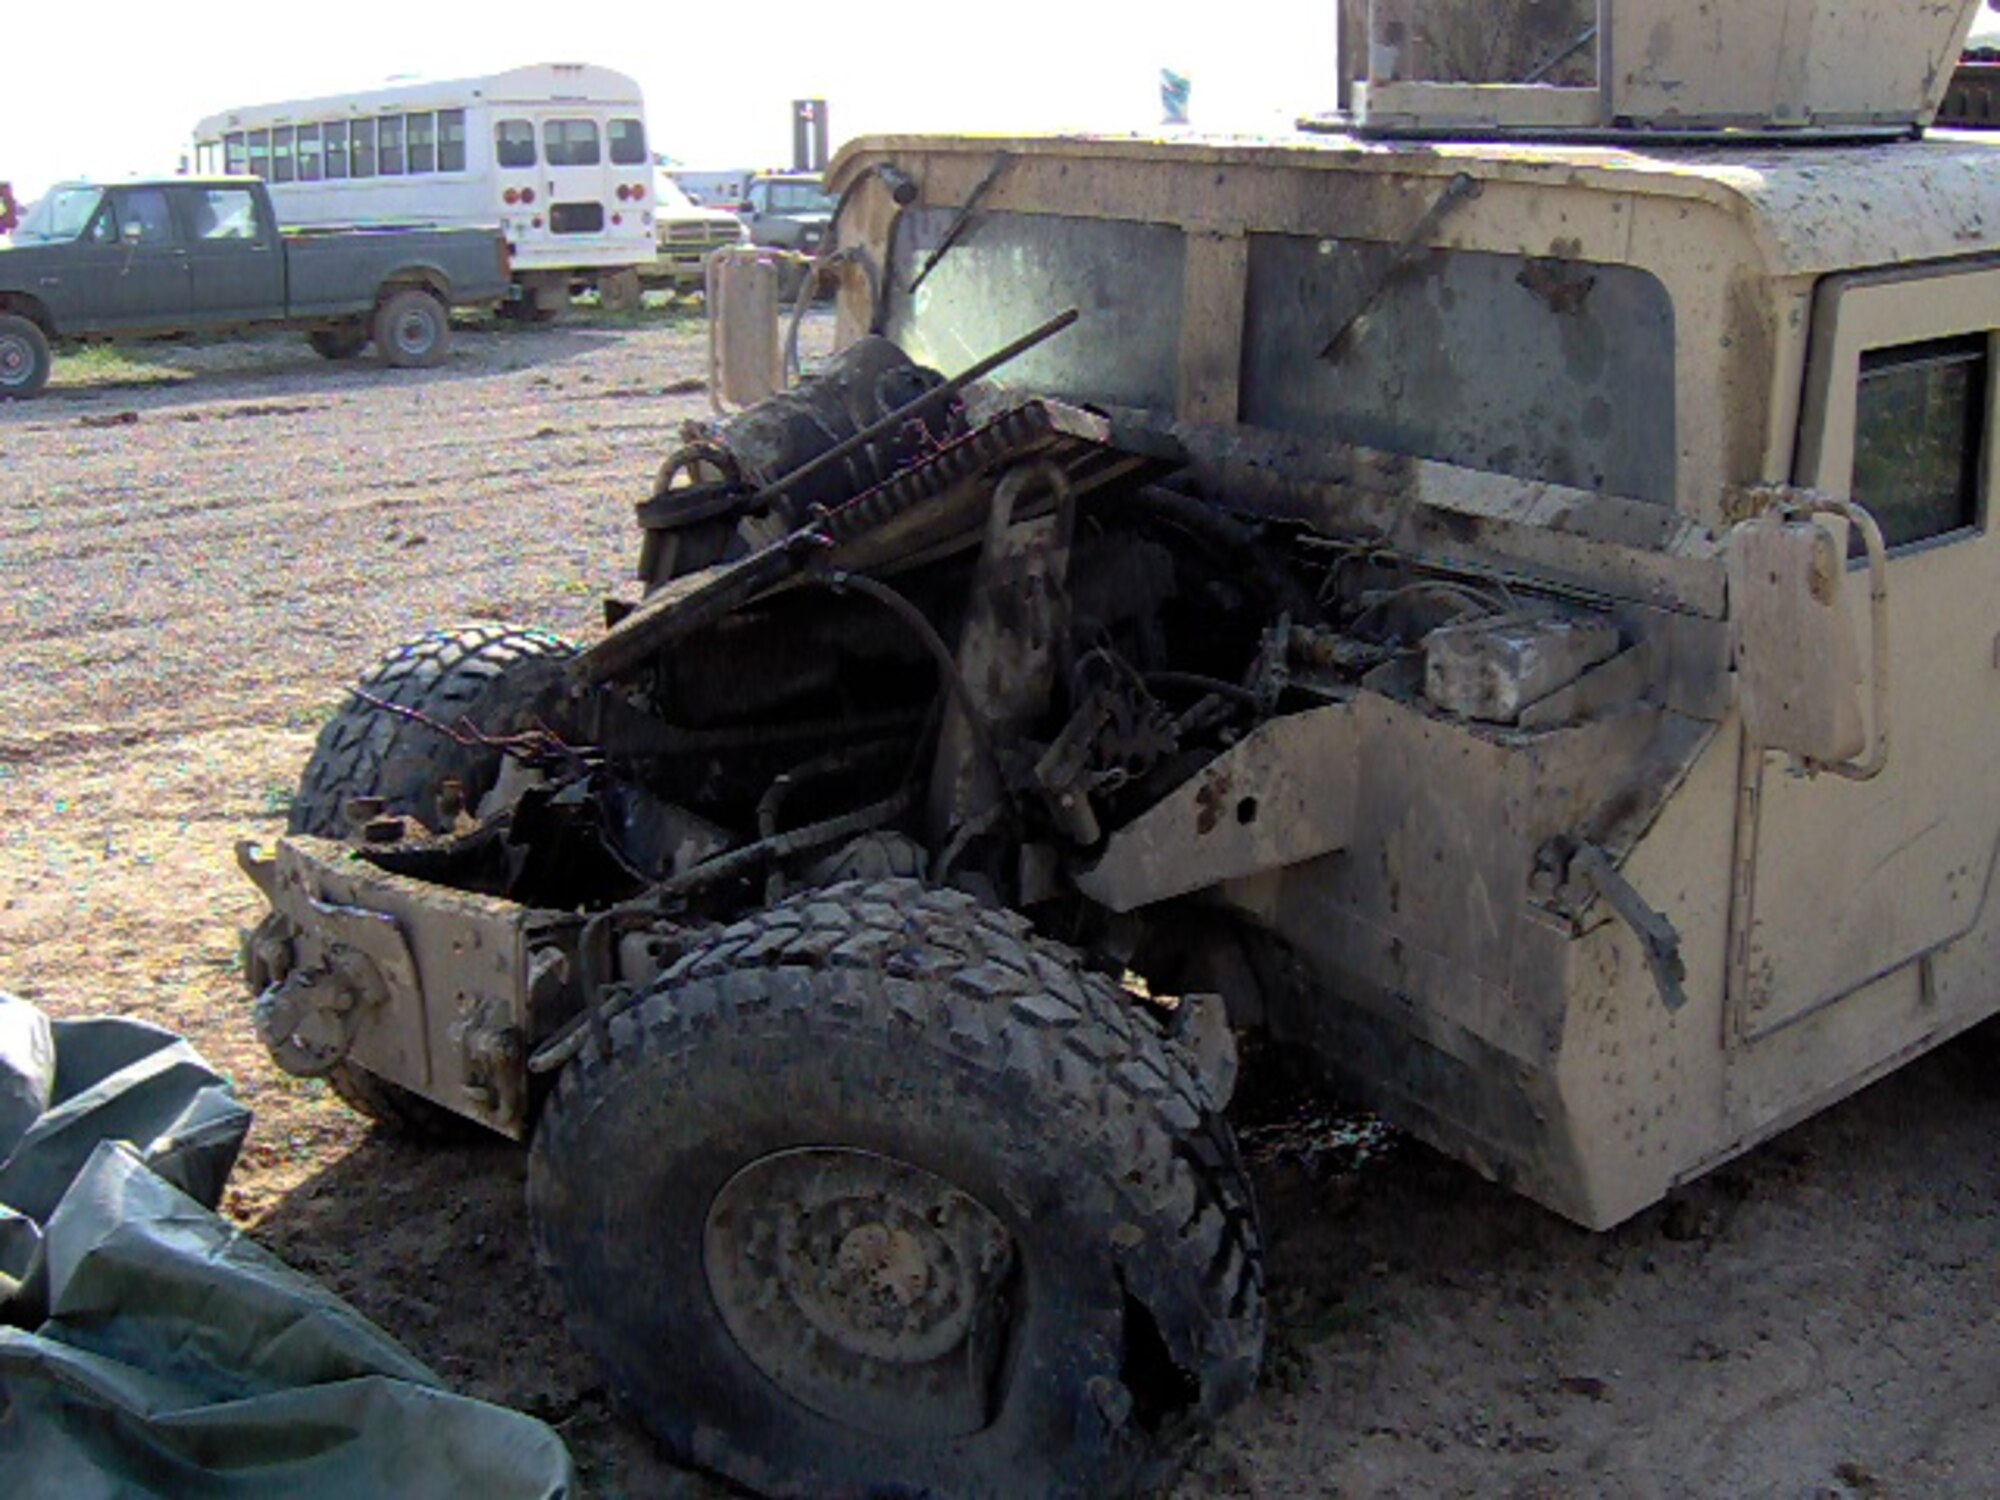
[{"x": 191, "y": 571}]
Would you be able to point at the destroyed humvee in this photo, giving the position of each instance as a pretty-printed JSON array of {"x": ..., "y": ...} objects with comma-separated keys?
[{"x": 1436, "y": 591}]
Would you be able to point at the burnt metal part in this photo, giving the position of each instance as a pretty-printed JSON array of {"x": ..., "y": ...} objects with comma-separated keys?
[
  {"x": 1462, "y": 188},
  {"x": 838, "y": 540}
]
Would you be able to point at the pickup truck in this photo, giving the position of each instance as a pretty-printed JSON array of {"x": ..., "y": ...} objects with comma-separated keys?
[{"x": 188, "y": 255}]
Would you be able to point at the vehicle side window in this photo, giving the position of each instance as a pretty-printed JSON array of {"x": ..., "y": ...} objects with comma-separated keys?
[
  {"x": 389, "y": 145},
  {"x": 223, "y": 214},
  {"x": 235, "y": 154},
  {"x": 309, "y": 157},
  {"x": 420, "y": 133},
  {"x": 570, "y": 143},
  {"x": 336, "y": 151},
  {"x": 1919, "y": 432},
  {"x": 260, "y": 154},
  {"x": 281, "y": 154},
  {"x": 628, "y": 142},
  {"x": 451, "y": 140},
  {"x": 361, "y": 152},
  {"x": 145, "y": 208},
  {"x": 514, "y": 143}
]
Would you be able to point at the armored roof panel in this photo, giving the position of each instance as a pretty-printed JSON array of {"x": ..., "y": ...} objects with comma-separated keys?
[{"x": 1811, "y": 209}]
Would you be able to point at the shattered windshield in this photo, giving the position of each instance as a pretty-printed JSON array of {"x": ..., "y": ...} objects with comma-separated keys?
[{"x": 60, "y": 215}]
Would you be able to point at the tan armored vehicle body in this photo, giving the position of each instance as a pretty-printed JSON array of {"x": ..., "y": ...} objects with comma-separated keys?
[{"x": 1497, "y": 617}]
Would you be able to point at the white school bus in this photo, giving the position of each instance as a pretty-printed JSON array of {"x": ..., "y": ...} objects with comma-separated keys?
[{"x": 555, "y": 154}]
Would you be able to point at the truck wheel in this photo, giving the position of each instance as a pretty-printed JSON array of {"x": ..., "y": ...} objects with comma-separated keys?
[
  {"x": 343, "y": 342},
  {"x": 878, "y": 1193},
  {"x": 497, "y": 677},
  {"x": 411, "y": 329},
  {"x": 619, "y": 292},
  {"x": 24, "y": 358}
]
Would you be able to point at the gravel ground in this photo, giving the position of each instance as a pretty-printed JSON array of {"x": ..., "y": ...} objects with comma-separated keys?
[{"x": 192, "y": 569}]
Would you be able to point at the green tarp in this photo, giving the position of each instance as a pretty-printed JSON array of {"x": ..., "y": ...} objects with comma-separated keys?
[{"x": 170, "y": 1355}]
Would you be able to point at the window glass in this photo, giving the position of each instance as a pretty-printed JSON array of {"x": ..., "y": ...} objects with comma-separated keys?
[
  {"x": 61, "y": 214},
  {"x": 309, "y": 157},
  {"x": 389, "y": 146},
  {"x": 1919, "y": 423},
  {"x": 281, "y": 154},
  {"x": 336, "y": 150},
  {"x": 235, "y": 154},
  {"x": 451, "y": 140},
  {"x": 361, "y": 149},
  {"x": 628, "y": 142},
  {"x": 260, "y": 154},
  {"x": 514, "y": 143},
  {"x": 420, "y": 135},
  {"x": 143, "y": 208},
  {"x": 570, "y": 143},
  {"x": 798, "y": 198},
  {"x": 223, "y": 214}
]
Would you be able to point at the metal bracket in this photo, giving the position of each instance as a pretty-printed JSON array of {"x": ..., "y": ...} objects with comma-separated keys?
[{"x": 1658, "y": 939}]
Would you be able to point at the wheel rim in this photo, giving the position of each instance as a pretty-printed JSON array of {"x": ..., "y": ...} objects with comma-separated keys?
[
  {"x": 415, "y": 333},
  {"x": 17, "y": 360},
  {"x": 869, "y": 1290}
]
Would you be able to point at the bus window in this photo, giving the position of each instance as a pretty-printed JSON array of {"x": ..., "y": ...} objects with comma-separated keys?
[
  {"x": 309, "y": 158},
  {"x": 514, "y": 143},
  {"x": 389, "y": 145},
  {"x": 281, "y": 154},
  {"x": 336, "y": 150},
  {"x": 235, "y": 154},
  {"x": 361, "y": 149},
  {"x": 420, "y": 133},
  {"x": 260, "y": 154},
  {"x": 570, "y": 143},
  {"x": 451, "y": 140},
  {"x": 628, "y": 142}
]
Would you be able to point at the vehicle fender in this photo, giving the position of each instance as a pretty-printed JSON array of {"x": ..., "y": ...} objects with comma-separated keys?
[{"x": 25, "y": 305}]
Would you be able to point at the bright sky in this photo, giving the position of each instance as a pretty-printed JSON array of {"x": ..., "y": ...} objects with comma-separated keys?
[{"x": 117, "y": 91}]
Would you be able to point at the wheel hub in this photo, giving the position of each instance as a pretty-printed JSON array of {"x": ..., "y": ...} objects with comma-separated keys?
[
  {"x": 868, "y": 1289},
  {"x": 13, "y": 359}
]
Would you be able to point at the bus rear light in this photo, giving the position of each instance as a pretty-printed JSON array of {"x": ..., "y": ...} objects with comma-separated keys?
[
  {"x": 623, "y": 192},
  {"x": 511, "y": 196},
  {"x": 638, "y": 191},
  {"x": 617, "y": 219},
  {"x": 527, "y": 195},
  {"x": 537, "y": 221}
]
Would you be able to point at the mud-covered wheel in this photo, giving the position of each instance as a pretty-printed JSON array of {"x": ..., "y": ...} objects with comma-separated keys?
[
  {"x": 497, "y": 678},
  {"x": 24, "y": 358},
  {"x": 343, "y": 342},
  {"x": 412, "y": 329},
  {"x": 879, "y": 1193}
]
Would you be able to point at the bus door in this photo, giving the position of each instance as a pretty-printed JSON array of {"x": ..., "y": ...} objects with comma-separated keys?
[{"x": 575, "y": 176}]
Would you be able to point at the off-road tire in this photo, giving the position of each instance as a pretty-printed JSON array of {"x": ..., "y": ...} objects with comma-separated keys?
[
  {"x": 338, "y": 343},
  {"x": 25, "y": 360},
  {"x": 412, "y": 330},
  {"x": 486, "y": 675},
  {"x": 493, "y": 676},
  {"x": 892, "y": 1021}
]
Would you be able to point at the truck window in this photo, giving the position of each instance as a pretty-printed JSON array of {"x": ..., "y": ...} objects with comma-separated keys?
[
  {"x": 570, "y": 143},
  {"x": 62, "y": 214},
  {"x": 145, "y": 208},
  {"x": 420, "y": 135},
  {"x": 451, "y": 140},
  {"x": 389, "y": 146},
  {"x": 628, "y": 142},
  {"x": 514, "y": 143},
  {"x": 361, "y": 149},
  {"x": 1919, "y": 430},
  {"x": 222, "y": 214}
]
